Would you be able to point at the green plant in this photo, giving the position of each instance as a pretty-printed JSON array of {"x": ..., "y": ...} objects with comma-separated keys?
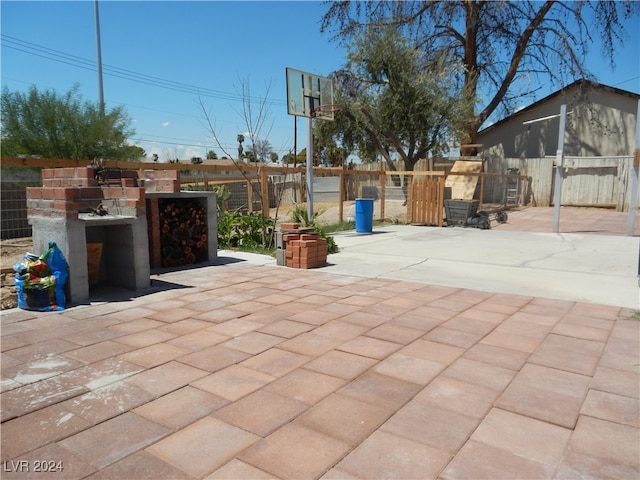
[
  {"x": 332, "y": 246},
  {"x": 223, "y": 195},
  {"x": 243, "y": 231},
  {"x": 634, "y": 316},
  {"x": 300, "y": 216}
]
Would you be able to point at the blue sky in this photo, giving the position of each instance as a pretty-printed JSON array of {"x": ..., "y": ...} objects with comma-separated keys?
[{"x": 209, "y": 46}]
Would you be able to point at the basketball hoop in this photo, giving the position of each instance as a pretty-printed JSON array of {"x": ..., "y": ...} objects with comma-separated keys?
[{"x": 326, "y": 111}]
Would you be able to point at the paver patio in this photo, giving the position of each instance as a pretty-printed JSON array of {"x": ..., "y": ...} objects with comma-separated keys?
[{"x": 248, "y": 371}]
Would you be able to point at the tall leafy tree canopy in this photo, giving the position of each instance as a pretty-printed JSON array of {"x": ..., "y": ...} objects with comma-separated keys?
[
  {"x": 63, "y": 126},
  {"x": 506, "y": 47},
  {"x": 396, "y": 102}
]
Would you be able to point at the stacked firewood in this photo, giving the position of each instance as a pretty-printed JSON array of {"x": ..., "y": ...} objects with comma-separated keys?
[{"x": 184, "y": 235}]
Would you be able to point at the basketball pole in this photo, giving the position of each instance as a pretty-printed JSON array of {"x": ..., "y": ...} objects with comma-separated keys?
[{"x": 310, "y": 169}]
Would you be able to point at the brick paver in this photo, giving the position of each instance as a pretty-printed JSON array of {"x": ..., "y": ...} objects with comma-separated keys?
[{"x": 282, "y": 373}]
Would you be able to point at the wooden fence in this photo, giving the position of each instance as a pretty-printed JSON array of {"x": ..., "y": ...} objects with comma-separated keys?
[
  {"x": 593, "y": 182},
  {"x": 603, "y": 182},
  {"x": 426, "y": 199}
]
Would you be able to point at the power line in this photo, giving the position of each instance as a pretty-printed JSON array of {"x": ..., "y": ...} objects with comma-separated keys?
[
  {"x": 86, "y": 64},
  {"x": 194, "y": 143},
  {"x": 80, "y": 62}
]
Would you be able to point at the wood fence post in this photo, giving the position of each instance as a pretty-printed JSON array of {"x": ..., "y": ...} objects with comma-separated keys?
[
  {"x": 441, "y": 200},
  {"x": 264, "y": 192},
  {"x": 341, "y": 200},
  {"x": 249, "y": 196},
  {"x": 382, "y": 193}
]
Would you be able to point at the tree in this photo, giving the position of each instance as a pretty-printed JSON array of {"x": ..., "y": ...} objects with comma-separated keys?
[
  {"x": 211, "y": 155},
  {"x": 132, "y": 152},
  {"x": 240, "y": 139},
  {"x": 250, "y": 156},
  {"x": 63, "y": 126},
  {"x": 395, "y": 102},
  {"x": 255, "y": 114},
  {"x": 501, "y": 44},
  {"x": 262, "y": 149},
  {"x": 295, "y": 160}
]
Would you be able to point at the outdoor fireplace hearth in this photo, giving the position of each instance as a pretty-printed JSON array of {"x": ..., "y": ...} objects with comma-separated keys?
[
  {"x": 81, "y": 208},
  {"x": 74, "y": 210}
]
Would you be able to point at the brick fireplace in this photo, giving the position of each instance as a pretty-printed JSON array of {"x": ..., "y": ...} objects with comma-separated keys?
[{"x": 80, "y": 207}]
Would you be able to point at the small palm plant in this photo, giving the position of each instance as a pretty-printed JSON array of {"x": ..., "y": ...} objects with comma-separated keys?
[{"x": 300, "y": 216}]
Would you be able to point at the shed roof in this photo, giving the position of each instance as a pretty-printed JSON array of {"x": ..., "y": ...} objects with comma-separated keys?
[{"x": 578, "y": 84}]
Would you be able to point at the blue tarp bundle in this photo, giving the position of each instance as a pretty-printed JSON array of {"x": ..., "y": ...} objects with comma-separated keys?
[{"x": 40, "y": 280}]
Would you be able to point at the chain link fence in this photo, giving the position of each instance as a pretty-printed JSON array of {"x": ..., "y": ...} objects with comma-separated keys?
[{"x": 13, "y": 200}]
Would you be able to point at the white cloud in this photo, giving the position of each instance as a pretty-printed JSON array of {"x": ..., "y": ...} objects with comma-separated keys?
[
  {"x": 165, "y": 124},
  {"x": 192, "y": 152}
]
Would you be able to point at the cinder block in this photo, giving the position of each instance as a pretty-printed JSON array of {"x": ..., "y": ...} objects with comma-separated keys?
[
  {"x": 309, "y": 251},
  {"x": 290, "y": 237},
  {"x": 309, "y": 236},
  {"x": 307, "y": 243},
  {"x": 292, "y": 263},
  {"x": 306, "y": 257},
  {"x": 289, "y": 226}
]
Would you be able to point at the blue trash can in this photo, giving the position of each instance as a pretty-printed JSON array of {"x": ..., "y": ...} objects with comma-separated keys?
[{"x": 364, "y": 215}]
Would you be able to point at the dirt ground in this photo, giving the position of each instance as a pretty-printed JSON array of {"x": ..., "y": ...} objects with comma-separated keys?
[
  {"x": 12, "y": 251},
  {"x": 329, "y": 213}
]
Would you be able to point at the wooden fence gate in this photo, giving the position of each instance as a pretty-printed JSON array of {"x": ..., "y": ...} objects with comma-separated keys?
[{"x": 425, "y": 203}]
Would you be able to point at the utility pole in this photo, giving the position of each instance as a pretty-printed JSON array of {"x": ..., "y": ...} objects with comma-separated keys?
[{"x": 100, "y": 88}]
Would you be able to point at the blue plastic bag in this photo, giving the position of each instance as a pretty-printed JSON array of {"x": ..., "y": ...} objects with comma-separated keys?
[{"x": 44, "y": 294}]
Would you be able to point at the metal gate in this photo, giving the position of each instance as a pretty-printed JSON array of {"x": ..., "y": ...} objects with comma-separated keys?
[{"x": 425, "y": 204}]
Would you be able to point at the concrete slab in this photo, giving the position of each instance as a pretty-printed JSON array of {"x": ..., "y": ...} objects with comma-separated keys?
[{"x": 567, "y": 266}]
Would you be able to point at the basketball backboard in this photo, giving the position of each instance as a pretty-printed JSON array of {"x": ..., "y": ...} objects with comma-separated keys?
[{"x": 306, "y": 92}]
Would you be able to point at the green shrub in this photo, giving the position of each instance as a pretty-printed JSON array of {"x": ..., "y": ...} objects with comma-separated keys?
[
  {"x": 244, "y": 231},
  {"x": 300, "y": 216}
]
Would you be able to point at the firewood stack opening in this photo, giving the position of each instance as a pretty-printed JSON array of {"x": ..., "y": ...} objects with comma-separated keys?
[{"x": 184, "y": 233}]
